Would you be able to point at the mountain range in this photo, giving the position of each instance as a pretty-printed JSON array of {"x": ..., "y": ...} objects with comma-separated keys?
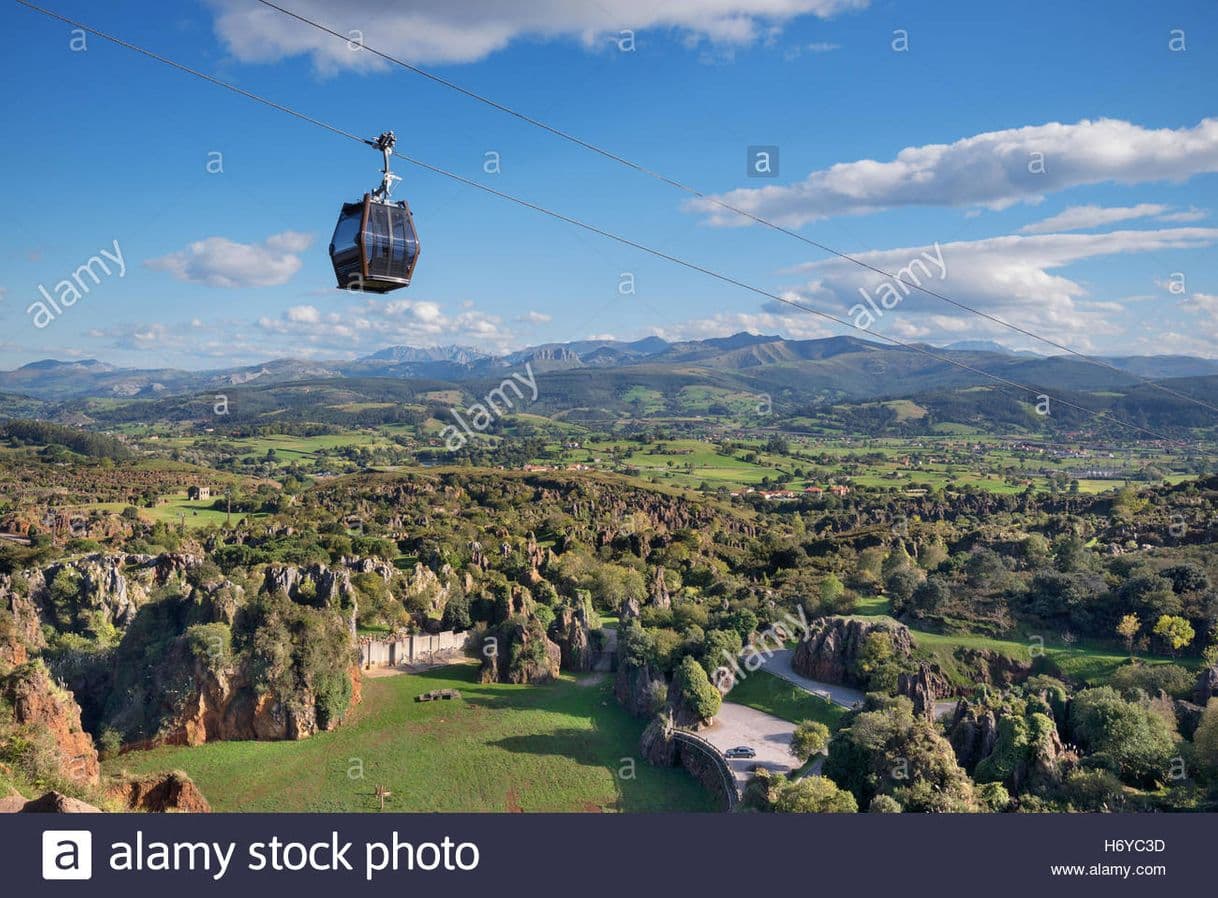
[
  {"x": 603, "y": 380},
  {"x": 841, "y": 365}
]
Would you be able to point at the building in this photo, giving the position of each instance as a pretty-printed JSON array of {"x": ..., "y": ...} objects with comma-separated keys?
[{"x": 198, "y": 493}]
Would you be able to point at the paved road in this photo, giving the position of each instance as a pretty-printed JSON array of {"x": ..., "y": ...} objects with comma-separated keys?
[
  {"x": 779, "y": 664},
  {"x": 766, "y": 734}
]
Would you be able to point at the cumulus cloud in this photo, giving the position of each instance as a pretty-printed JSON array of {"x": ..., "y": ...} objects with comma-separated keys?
[
  {"x": 995, "y": 169},
  {"x": 1013, "y": 277},
  {"x": 220, "y": 262},
  {"x": 440, "y": 31}
]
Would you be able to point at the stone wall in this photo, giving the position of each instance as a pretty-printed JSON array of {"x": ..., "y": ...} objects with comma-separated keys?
[{"x": 416, "y": 648}]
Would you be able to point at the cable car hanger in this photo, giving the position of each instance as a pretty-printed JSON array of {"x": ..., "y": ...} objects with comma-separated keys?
[{"x": 385, "y": 143}]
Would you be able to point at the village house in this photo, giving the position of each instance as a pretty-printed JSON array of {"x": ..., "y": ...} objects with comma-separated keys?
[{"x": 198, "y": 493}]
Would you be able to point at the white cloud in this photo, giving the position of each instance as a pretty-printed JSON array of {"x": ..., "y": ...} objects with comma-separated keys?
[
  {"x": 1185, "y": 215},
  {"x": 995, "y": 169},
  {"x": 440, "y": 31},
  {"x": 1079, "y": 217},
  {"x": 303, "y": 315},
  {"x": 1202, "y": 303},
  {"x": 532, "y": 317},
  {"x": 220, "y": 262},
  {"x": 1012, "y": 277},
  {"x": 376, "y": 323}
]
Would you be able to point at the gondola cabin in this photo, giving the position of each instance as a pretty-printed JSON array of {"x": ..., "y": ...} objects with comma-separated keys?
[{"x": 375, "y": 245}]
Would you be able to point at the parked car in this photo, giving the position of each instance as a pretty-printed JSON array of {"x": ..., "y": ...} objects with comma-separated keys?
[{"x": 740, "y": 751}]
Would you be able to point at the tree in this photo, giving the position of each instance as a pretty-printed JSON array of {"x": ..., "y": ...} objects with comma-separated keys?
[
  {"x": 1127, "y": 629},
  {"x": 811, "y": 737},
  {"x": 695, "y": 689},
  {"x": 810, "y": 795},
  {"x": 831, "y": 589},
  {"x": 1128, "y": 738},
  {"x": 1205, "y": 740},
  {"x": 1175, "y": 631}
]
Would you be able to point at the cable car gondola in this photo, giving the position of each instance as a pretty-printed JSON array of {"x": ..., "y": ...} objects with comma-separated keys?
[{"x": 375, "y": 245}]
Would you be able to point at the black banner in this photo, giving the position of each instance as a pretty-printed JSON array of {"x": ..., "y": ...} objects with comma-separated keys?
[{"x": 611, "y": 855}]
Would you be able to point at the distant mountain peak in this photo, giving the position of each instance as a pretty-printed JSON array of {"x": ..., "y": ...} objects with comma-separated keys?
[
  {"x": 988, "y": 346},
  {"x": 52, "y": 364},
  {"x": 462, "y": 355}
]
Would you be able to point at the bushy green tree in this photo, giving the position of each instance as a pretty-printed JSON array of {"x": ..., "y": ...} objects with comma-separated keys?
[
  {"x": 1128, "y": 738},
  {"x": 810, "y": 738},
  {"x": 695, "y": 689}
]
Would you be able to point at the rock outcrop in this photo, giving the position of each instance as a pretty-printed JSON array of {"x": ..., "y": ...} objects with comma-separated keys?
[
  {"x": 58, "y": 803},
  {"x": 178, "y": 677},
  {"x": 522, "y": 653},
  {"x": 46, "y": 709},
  {"x": 973, "y": 733},
  {"x": 923, "y": 687},
  {"x": 639, "y": 688},
  {"x": 1206, "y": 687},
  {"x": 88, "y": 593},
  {"x": 833, "y": 646},
  {"x": 657, "y": 746},
  {"x": 571, "y": 632},
  {"x": 1004, "y": 744},
  {"x": 159, "y": 794},
  {"x": 316, "y": 585},
  {"x": 992, "y": 668}
]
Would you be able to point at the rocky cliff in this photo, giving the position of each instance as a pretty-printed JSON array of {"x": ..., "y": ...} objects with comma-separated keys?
[
  {"x": 834, "y": 645},
  {"x": 47, "y": 712}
]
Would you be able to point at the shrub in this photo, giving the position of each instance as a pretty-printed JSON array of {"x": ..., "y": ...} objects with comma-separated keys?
[{"x": 1152, "y": 679}]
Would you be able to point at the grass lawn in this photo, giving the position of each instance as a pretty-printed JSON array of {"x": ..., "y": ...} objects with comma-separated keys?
[
  {"x": 498, "y": 748},
  {"x": 765, "y": 692},
  {"x": 1086, "y": 662}
]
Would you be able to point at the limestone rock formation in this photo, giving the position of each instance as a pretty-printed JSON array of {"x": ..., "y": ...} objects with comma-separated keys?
[
  {"x": 658, "y": 590},
  {"x": 973, "y": 733},
  {"x": 87, "y": 593},
  {"x": 522, "y": 653},
  {"x": 923, "y": 687},
  {"x": 831, "y": 651},
  {"x": 178, "y": 679},
  {"x": 317, "y": 585},
  {"x": 1023, "y": 751},
  {"x": 639, "y": 688},
  {"x": 574, "y": 638}
]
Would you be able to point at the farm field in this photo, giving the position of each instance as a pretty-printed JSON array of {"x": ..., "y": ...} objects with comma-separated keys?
[
  {"x": 498, "y": 748},
  {"x": 983, "y": 463}
]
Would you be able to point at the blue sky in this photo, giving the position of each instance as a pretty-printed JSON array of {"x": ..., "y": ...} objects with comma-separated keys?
[{"x": 1106, "y": 244}]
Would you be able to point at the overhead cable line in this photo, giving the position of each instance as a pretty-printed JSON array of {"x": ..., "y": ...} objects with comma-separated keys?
[
  {"x": 723, "y": 204},
  {"x": 610, "y": 235}
]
